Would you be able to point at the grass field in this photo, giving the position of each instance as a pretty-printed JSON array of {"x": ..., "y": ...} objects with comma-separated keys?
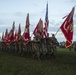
[{"x": 64, "y": 64}]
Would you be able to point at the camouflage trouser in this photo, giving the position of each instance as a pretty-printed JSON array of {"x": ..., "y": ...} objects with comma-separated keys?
[
  {"x": 51, "y": 50},
  {"x": 44, "y": 49},
  {"x": 54, "y": 47},
  {"x": 74, "y": 47},
  {"x": 20, "y": 51},
  {"x": 36, "y": 50}
]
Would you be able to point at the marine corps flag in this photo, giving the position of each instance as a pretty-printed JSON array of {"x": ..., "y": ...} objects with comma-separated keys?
[
  {"x": 36, "y": 30},
  {"x": 67, "y": 28},
  {"x": 6, "y": 34},
  {"x": 11, "y": 33},
  {"x": 6, "y": 37},
  {"x": 3, "y": 36},
  {"x": 39, "y": 28},
  {"x": 18, "y": 34},
  {"x": 19, "y": 30},
  {"x": 26, "y": 34}
]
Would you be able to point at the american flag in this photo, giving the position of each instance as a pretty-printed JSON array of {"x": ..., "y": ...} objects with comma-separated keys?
[{"x": 45, "y": 30}]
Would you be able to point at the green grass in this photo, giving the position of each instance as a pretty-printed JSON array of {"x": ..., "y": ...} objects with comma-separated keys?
[{"x": 64, "y": 64}]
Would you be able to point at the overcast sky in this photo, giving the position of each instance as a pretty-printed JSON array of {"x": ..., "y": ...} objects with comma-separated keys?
[{"x": 16, "y": 10}]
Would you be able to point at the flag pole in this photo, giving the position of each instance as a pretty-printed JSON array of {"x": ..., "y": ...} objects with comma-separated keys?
[
  {"x": 57, "y": 31},
  {"x": 32, "y": 35}
]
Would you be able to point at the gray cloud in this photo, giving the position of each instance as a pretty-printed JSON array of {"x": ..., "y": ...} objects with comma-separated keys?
[
  {"x": 73, "y": 1},
  {"x": 19, "y": 14},
  {"x": 35, "y": 5},
  {"x": 70, "y": 1}
]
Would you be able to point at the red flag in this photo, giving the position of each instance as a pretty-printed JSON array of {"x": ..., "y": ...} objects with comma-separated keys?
[
  {"x": 36, "y": 30},
  {"x": 26, "y": 34},
  {"x": 67, "y": 28},
  {"x": 15, "y": 37},
  {"x": 6, "y": 34},
  {"x": 11, "y": 33},
  {"x": 6, "y": 37},
  {"x": 3, "y": 36},
  {"x": 39, "y": 28},
  {"x": 45, "y": 30},
  {"x": 13, "y": 26},
  {"x": 18, "y": 34},
  {"x": 19, "y": 30}
]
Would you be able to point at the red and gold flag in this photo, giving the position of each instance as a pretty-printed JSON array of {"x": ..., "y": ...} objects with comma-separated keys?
[
  {"x": 19, "y": 30},
  {"x": 6, "y": 34},
  {"x": 26, "y": 34},
  {"x": 15, "y": 36},
  {"x": 6, "y": 37},
  {"x": 11, "y": 33},
  {"x": 18, "y": 34},
  {"x": 39, "y": 28},
  {"x": 67, "y": 28}
]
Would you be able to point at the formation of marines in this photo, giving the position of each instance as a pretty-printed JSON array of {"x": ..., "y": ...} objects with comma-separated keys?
[{"x": 38, "y": 47}]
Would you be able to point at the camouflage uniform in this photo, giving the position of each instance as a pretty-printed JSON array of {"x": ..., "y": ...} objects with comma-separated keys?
[
  {"x": 36, "y": 45},
  {"x": 20, "y": 45},
  {"x": 54, "y": 41},
  {"x": 74, "y": 46},
  {"x": 54, "y": 44}
]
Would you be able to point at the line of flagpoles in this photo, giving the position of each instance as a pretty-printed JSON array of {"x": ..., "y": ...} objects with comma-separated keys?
[{"x": 66, "y": 28}]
